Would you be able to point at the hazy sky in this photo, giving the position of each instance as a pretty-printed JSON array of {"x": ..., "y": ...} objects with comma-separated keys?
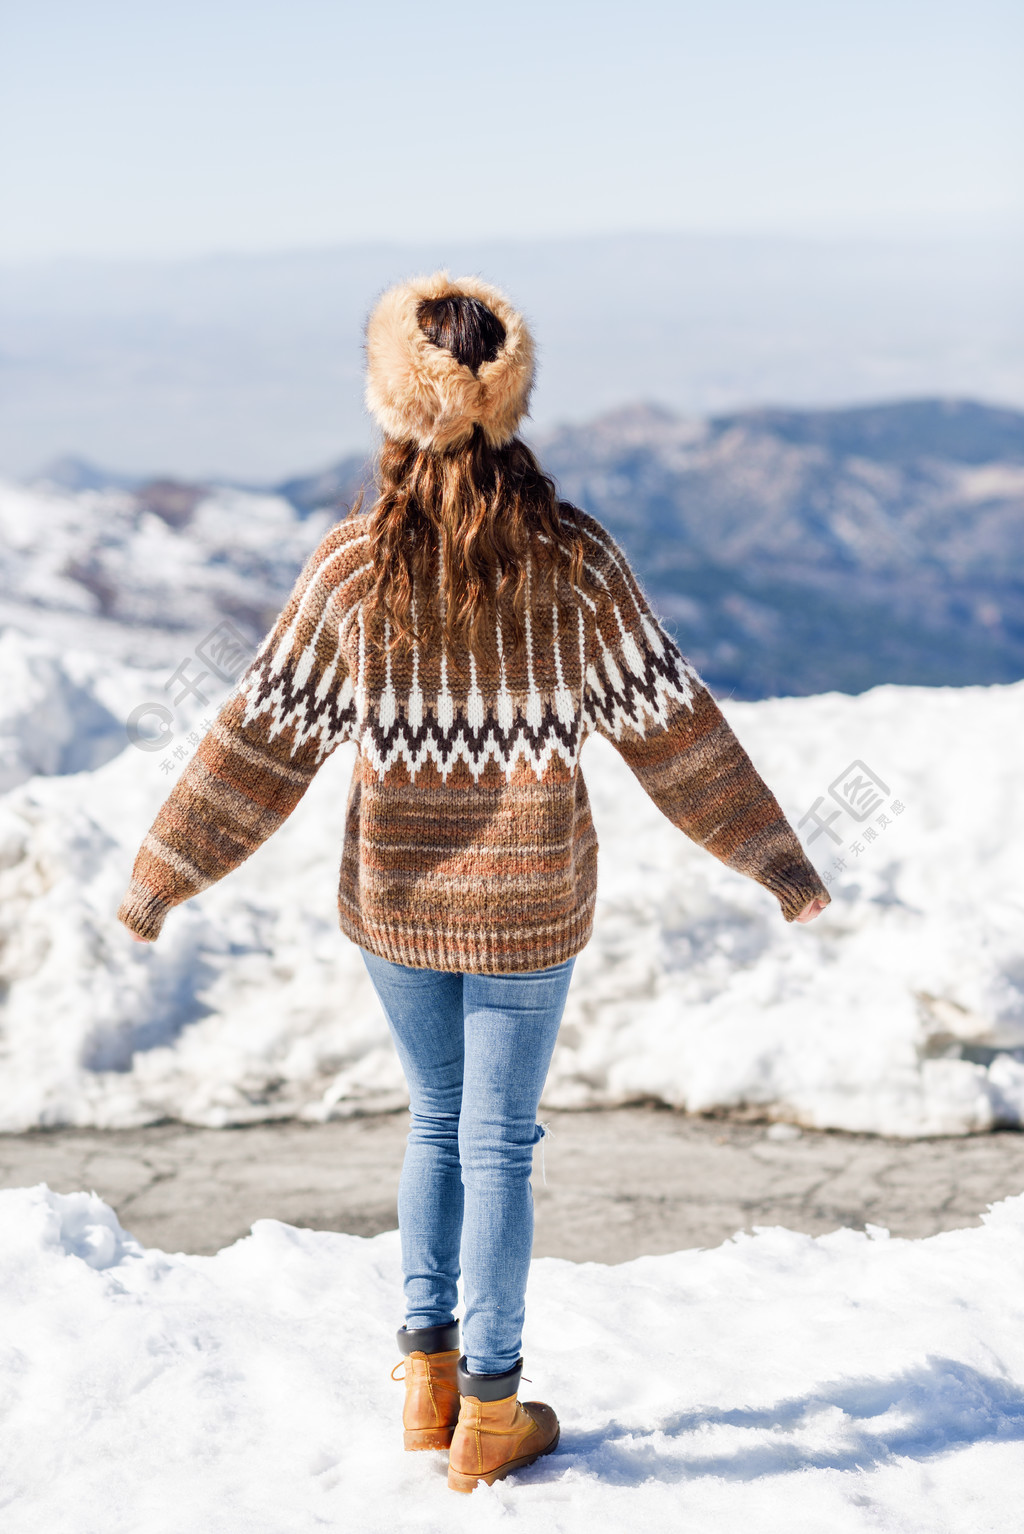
[{"x": 129, "y": 127}]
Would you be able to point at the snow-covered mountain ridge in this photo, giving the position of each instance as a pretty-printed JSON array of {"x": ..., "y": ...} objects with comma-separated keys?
[
  {"x": 794, "y": 552},
  {"x": 800, "y": 551}
]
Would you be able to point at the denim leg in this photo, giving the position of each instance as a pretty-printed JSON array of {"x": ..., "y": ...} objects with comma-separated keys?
[
  {"x": 424, "y": 1009},
  {"x": 511, "y": 1024}
]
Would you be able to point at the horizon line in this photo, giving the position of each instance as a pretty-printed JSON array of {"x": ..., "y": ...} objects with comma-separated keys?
[{"x": 947, "y": 232}]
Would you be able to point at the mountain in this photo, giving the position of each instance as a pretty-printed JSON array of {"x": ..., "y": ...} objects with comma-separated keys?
[
  {"x": 801, "y": 551},
  {"x": 791, "y": 552},
  {"x": 335, "y": 489}
]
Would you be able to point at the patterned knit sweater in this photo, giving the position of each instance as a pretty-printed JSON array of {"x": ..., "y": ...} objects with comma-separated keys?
[{"x": 469, "y": 844}]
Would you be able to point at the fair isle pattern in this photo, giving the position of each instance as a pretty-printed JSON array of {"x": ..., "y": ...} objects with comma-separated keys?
[
  {"x": 636, "y": 691},
  {"x": 283, "y": 685},
  {"x": 650, "y": 679},
  {"x": 469, "y": 843}
]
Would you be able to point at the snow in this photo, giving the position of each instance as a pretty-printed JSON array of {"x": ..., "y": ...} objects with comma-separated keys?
[
  {"x": 899, "y": 1011},
  {"x": 104, "y": 568},
  {"x": 54, "y": 713},
  {"x": 782, "y": 1383}
]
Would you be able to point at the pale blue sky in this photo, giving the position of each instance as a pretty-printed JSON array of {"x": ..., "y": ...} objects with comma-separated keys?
[{"x": 129, "y": 128}]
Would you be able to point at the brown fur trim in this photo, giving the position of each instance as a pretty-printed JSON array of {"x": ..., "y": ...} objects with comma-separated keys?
[{"x": 418, "y": 392}]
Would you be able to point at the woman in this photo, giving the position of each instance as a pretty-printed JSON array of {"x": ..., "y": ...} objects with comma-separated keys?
[{"x": 468, "y": 632}]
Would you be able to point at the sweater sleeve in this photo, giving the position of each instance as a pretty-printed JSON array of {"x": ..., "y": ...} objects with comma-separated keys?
[
  {"x": 645, "y": 696},
  {"x": 287, "y": 713}
]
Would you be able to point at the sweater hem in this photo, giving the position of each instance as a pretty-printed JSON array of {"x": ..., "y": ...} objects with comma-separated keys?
[{"x": 472, "y": 952}]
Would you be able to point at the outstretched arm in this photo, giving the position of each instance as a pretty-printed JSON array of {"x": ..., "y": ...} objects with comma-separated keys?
[
  {"x": 649, "y": 701},
  {"x": 285, "y": 716}
]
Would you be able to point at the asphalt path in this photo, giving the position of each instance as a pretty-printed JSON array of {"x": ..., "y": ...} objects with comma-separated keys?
[{"x": 613, "y": 1185}]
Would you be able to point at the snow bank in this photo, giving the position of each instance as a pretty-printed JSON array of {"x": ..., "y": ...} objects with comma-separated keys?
[
  {"x": 779, "y": 1383},
  {"x": 900, "y": 1011},
  {"x": 53, "y": 714}
]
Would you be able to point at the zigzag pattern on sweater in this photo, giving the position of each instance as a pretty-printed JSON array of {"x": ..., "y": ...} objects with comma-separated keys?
[
  {"x": 535, "y": 733},
  {"x": 281, "y": 683},
  {"x": 641, "y": 686},
  {"x": 289, "y": 705}
]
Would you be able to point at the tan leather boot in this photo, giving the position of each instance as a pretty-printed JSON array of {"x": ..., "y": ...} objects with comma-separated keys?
[
  {"x": 495, "y": 1437},
  {"x": 431, "y": 1407}
]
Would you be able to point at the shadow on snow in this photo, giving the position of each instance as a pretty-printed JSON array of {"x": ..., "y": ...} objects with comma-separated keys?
[{"x": 857, "y": 1424}]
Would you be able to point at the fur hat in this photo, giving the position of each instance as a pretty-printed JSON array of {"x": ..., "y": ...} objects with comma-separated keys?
[{"x": 419, "y": 392}]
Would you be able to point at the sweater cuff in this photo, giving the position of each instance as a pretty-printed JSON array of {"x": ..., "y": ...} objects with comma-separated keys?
[
  {"x": 142, "y": 911},
  {"x": 794, "y": 885}
]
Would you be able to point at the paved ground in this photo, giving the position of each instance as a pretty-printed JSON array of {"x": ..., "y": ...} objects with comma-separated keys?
[{"x": 619, "y": 1184}]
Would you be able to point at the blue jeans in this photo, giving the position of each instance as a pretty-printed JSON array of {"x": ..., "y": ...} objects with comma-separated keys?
[{"x": 475, "y": 1050}]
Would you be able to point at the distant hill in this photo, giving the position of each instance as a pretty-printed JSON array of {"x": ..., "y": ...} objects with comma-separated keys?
[
  {"x": 801, "y": 551},
  {"x": 790, "y": 551}
]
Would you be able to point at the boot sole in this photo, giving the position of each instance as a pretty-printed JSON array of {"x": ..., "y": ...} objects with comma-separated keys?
[
  {"x": 457, "y": 1481},
  {"x": 429, "y": 1437}
]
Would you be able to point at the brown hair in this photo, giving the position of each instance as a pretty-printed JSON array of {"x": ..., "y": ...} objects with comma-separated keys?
[
  {"x": 463, "y": 326},
  {"x": 476, "y": 525}
]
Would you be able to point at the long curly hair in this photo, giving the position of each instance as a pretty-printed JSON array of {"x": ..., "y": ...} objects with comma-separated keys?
[{"x": 464, "y": 538}]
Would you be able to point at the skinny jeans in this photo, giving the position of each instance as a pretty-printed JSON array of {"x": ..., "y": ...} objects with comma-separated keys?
[{"x": 475, "y": 1050}]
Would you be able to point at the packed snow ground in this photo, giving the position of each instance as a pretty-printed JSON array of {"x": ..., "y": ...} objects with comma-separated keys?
[
  {"x": 780, "y": 1383},
  {"x": 900, "y": 1010}
]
